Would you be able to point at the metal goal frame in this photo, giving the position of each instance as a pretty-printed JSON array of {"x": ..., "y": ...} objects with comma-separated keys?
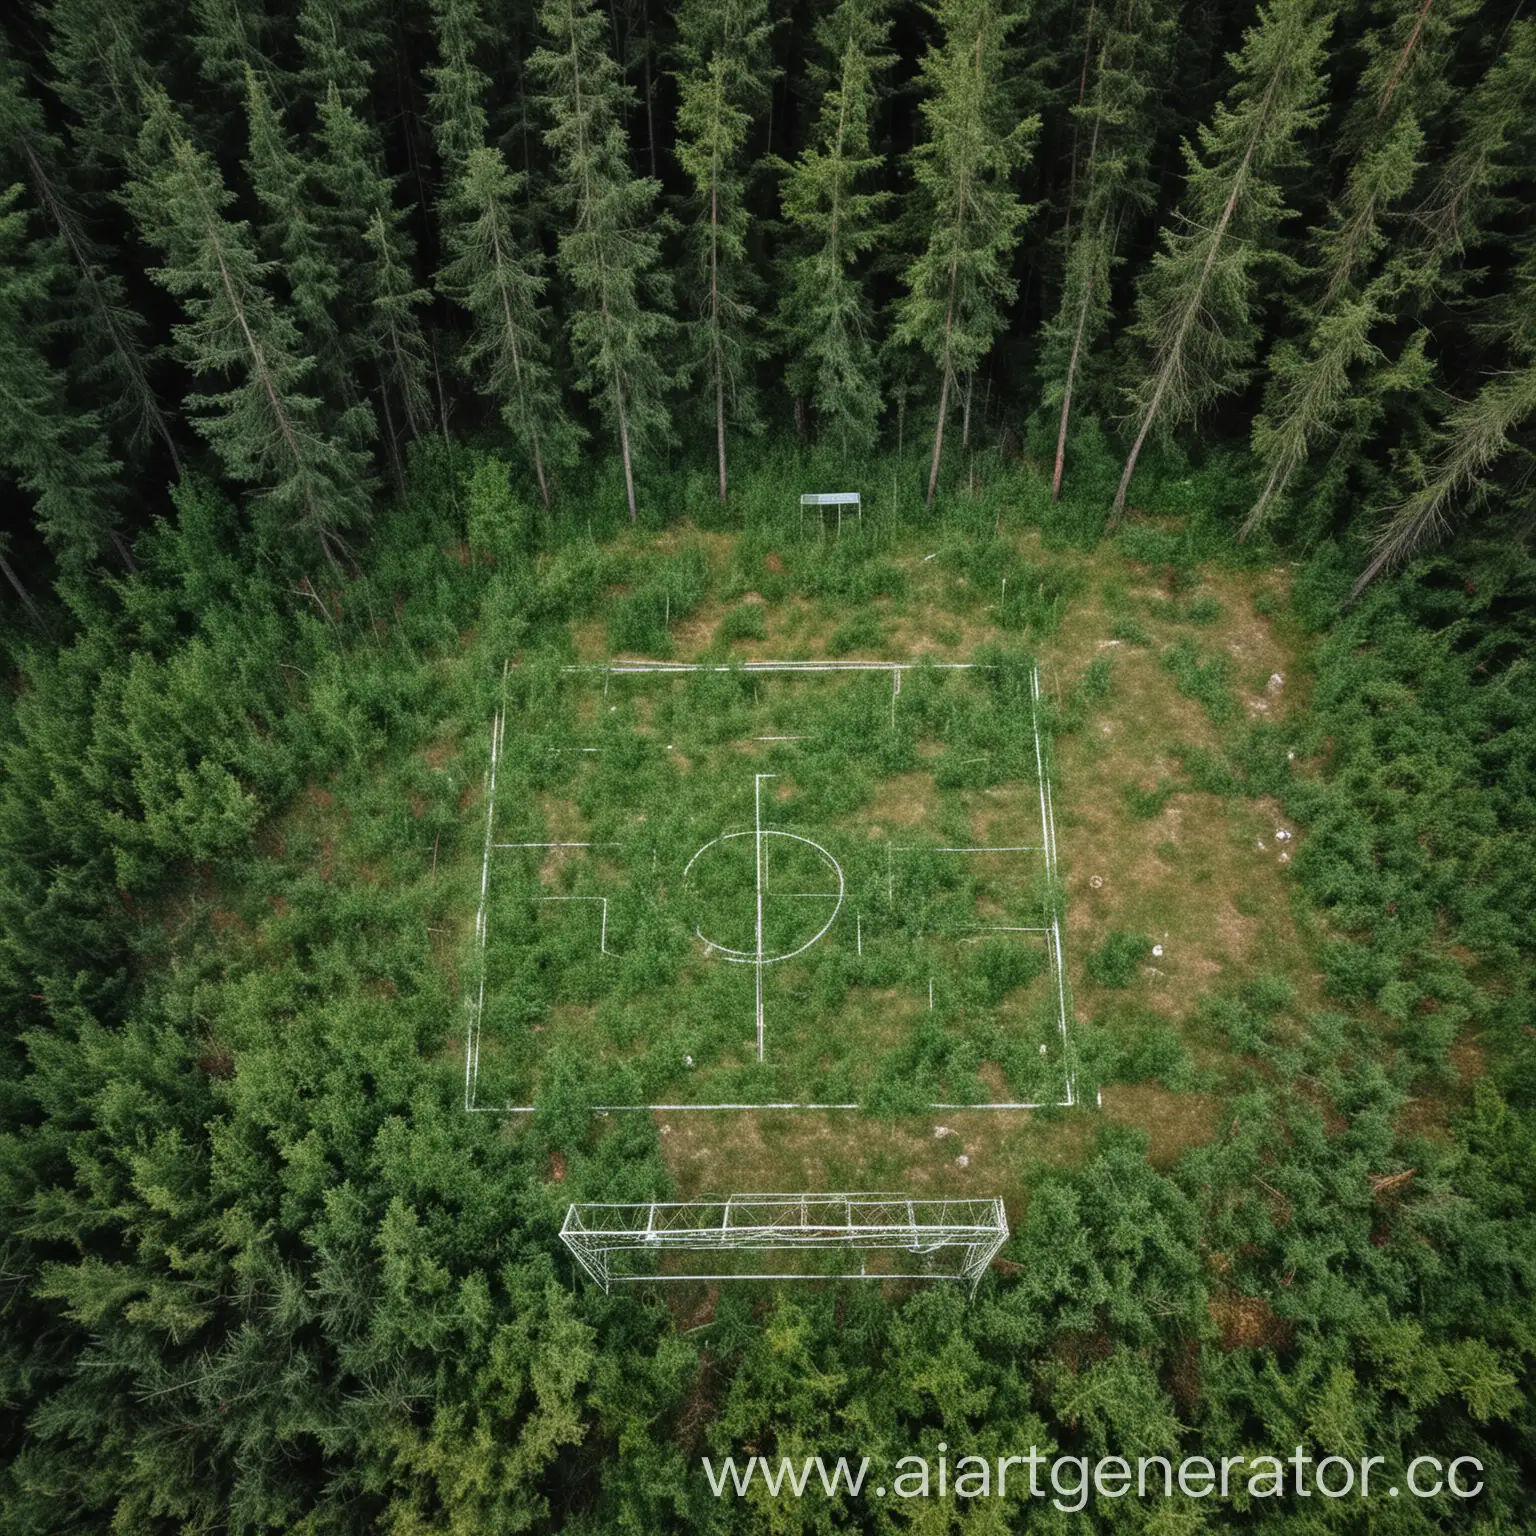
[{"x": 860, "y": 1224}]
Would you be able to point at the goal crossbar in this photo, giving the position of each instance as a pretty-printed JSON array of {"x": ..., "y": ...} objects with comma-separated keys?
[{"x": 974, "y": 1229}]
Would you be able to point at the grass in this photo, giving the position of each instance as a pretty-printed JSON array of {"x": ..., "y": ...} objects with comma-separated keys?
[{"x": 1130, "y": 692}]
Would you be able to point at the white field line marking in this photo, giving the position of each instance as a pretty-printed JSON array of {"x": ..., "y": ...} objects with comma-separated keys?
[
  {"x": 472, "y": 1041},
  {"x": 757, "y": 828},
  {"x": 612, "y": 1109},
  {"x": 1048, "y": 831},
  {"x": 1048, "y": 848},
  {"x": 554, "y": 845},
  {"x": 923, "y": 848},
  {"x": 602, "y": 940},
  {"x": 622, "y": 668}
]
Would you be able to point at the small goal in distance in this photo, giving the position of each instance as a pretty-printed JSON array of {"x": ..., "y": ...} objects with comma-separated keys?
[{"x": 838, "y": 1236}]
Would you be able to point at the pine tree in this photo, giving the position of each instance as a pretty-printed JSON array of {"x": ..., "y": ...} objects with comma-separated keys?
[
  {"x": 500, "y": 283},
  {"x": 457, "y": 99},
  {"x": 1315, "y": 381},
  {"x": 825, "y": 316},
  {"x": 265, "y": 429},
  {"x": 1474, "y": 434},
  {"x": 960, "y": 284},
  {"x": 722, "y": 47},
  {"x": 56, "y": 452},
  {"x": 380, "y": 300},
  {"x": 1115, "y": 126},
  {"x": 343, "y": 43},
  {"x": 231, "y": 38},
  {"x": 99, "y": 51},
  {"x": 109, "y": 357},
  {"x": 1195, "y": 305},
  {"x": 292, "y": 235},
  {"x": 1497, "y": 136},
  {"x": 611, "y": 247}
]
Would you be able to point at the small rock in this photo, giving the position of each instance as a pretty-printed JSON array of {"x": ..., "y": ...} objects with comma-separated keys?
[
  {"x": 666, "y": 1130},
  {"x": 941, "y": 1131},
  {"x": 1262, "y": 848},
  {"x": 1281, "y": 835},
  {"x": 1276, "y": 681},
  {"x": 1157, "y": 951},
  {"x": 687, "y": 1061},
  {"x": 1096, "y": 882},
  {"x": 1285, "y": 858},
  {"x": 962, "y": 1161},
  {"x": 1290, "y": 756},
  {"x": 1042, "y": 1050}
]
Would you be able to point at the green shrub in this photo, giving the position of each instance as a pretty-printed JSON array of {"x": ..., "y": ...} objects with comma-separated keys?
[
  {"x": 1144, "y": 804},
  {"x": 1203, "y": 610},
  {"x": 1117, "y": 960},
  {"x": 746, "y": 621},
  {"x": 1203, "y": 681},
  {"x": 860, "y": 632},
  {"x": 1129, "y": 630}
]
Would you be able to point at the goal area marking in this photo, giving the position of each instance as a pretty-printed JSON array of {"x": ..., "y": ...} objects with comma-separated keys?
[
  {"x": 1049, "y": 931},
  {"x": 919, "y": 1237}
]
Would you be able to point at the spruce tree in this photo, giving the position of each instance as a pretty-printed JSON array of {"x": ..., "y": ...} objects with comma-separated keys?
[
  {"x": 1316, "y": 380},
  {"x": 610, "y": 247},
  {"x": 457, "y": 98},
  {"x": 56, "y": 452},
  {"x": 1195, "y": 305},
  {"x": 343, "y": 43},
  {"x": 266, "y": 430},
  {"x": 1114, "y": 133},
  {"x": 380, "y": 299},
  {"x": 960, "y": 284},
  {"x": 725, "y": 75},
  {"x": 99, "y": 50},
  {"x": 500, "y": 283},
  {"x": 293, "y": 237},
  {"x": 231, "y": 38},
  {"x": 825, "y": 317},
  {"x": 108, "y": 358},
  {"x": 1472, "y": 436}
]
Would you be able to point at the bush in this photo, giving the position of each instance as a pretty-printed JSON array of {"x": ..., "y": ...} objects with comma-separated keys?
[
  {"x": 1203, "y": 681},
  {"x": 1117, "y": 960},
  {"x": 859, "y": 633},
  {"x": 746, "y": 621}
]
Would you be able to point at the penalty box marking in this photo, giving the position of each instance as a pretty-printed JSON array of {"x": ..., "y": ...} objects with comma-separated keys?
[{"x": 476, "y": 1004}]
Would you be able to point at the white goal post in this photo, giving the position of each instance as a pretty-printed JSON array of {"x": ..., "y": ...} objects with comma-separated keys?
[
  {"x": 838, "y": 499},
  {"x": 923, "y": 1239}
]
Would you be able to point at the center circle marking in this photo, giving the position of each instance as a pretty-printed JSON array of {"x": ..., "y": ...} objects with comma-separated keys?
[{"x": 750, "y": 957}]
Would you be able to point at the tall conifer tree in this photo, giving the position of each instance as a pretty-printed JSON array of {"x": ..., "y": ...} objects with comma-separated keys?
[
  {"x": 836, "y": 218},
  {"x": 269, "y": 433},
  {"x": 56, "y": 452},
  {"x": 1195, "y": 304},
  {"x": 109, "y": 356},
  {"x": 380, "y": 299},
  {"x": 960, "y": 284},
  {"x": 491, "y": 269},
  {"x": 610, "y": 248},
  {"x": 99, "y": 52},
  {"x": 293, "y": 236},
  {"x": 1126, "y": 59},
  {"x": 459, "y": 85},
  {"x": 726, "y": 74},
  {"x": 1316, "y": 380},
  {"x": 495, "y": 278}
]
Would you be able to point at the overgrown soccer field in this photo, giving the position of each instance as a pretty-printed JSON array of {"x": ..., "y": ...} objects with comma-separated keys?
[{"x": 729, "y": 886}]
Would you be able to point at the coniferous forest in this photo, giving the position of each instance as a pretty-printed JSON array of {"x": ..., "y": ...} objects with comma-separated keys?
[{"x": 364, "y": 363}]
